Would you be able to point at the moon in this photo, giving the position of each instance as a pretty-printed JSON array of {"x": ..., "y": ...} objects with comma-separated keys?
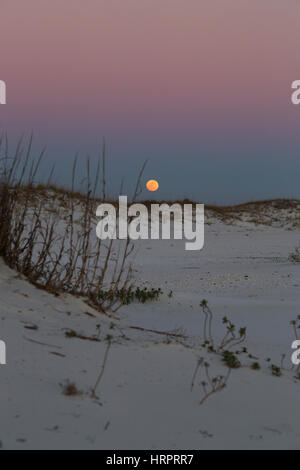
[{"x": 152, "y": 185}]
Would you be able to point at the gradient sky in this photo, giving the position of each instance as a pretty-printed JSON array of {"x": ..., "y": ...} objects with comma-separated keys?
[{"x": 194, "y": 85}]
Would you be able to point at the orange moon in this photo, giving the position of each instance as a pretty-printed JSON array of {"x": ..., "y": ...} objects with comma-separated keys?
[{"x": 152, "y": 185}]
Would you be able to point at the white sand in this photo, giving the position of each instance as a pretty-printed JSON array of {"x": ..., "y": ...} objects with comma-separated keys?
[{"x": 144, "y": 397}]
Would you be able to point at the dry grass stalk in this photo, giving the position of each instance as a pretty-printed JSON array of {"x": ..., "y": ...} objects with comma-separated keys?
[{"x": 48, "y": 234}]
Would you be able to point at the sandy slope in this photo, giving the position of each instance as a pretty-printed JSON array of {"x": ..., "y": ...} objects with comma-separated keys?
[{"x": 144, "y": 397}]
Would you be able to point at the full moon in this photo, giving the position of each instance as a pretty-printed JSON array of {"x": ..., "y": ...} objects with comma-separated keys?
[{"x": 152, "y": 185}]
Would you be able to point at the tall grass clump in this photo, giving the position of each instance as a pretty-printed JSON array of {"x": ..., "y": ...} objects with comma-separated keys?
[{"x": 48, "y": 234}]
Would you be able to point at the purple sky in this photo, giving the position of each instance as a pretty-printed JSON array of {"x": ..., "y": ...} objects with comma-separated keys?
[{"x": 158, "y": 78}]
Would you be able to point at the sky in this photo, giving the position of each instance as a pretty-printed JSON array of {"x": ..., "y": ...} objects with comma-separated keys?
[{"x": 200, "y": 88}]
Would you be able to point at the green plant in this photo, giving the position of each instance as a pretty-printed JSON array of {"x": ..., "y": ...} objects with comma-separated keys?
[
  {"x": 128, "y": 295},
  {"x": 70, "y": 334},
  {"x": 232, "y": 338},
  {"x": 255, "y": 366},
  {"x": 230, "y": 359},
  {"x": 276, "y": 371}
]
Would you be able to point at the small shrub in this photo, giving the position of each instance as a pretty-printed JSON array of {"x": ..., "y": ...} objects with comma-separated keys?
[
  {"x": 255, "y": 366},
  {"x": 70, "y": 389},
  {"x": 230, "y": 359},
  {"x": 47, "y": 233},
  {"x": 276, "y": 371},
  {"x": 70, "y": 334},
  {"x": 231, "y": 338},
  {"x": 129, "y": 295}
]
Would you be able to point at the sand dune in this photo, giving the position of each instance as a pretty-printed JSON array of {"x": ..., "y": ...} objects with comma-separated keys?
[{"x": 144, "y": 397}]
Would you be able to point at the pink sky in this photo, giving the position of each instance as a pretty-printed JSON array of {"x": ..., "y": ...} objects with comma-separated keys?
[{"x": 159, "y": 66}]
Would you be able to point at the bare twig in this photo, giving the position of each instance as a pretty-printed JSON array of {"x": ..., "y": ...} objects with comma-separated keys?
[{"x": 102, "y": 369}]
